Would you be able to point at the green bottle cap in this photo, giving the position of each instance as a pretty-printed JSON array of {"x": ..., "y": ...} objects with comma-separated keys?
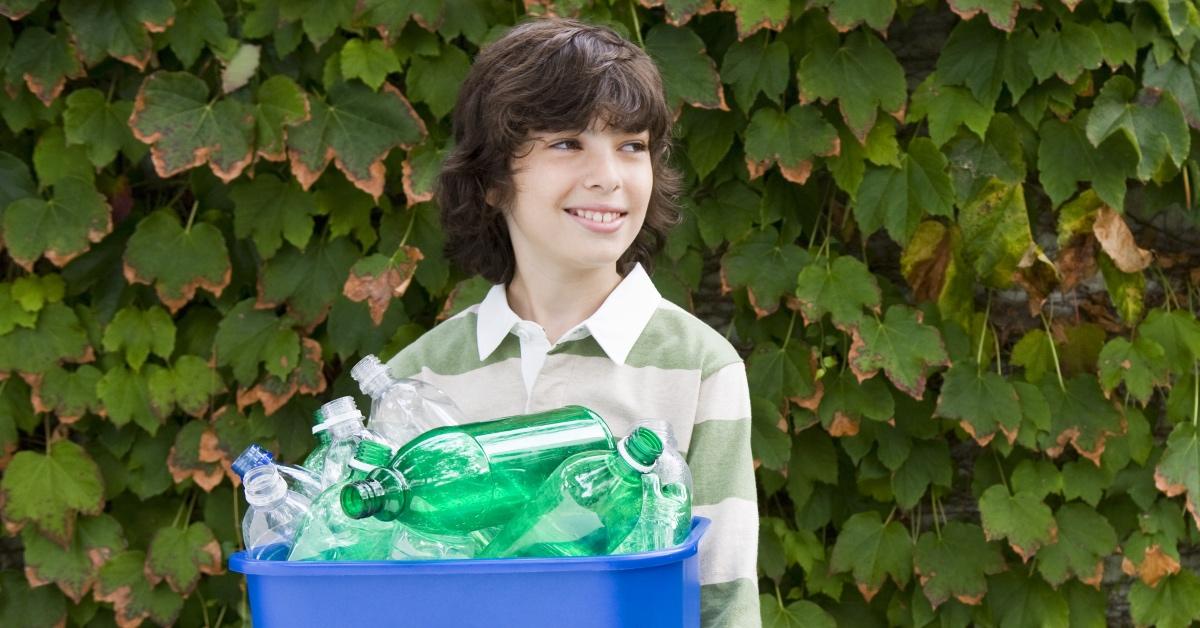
[{"x": 643, "y": 446}]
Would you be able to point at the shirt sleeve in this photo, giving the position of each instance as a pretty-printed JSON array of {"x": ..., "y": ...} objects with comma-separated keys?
[{"x": 723, "y": 474}]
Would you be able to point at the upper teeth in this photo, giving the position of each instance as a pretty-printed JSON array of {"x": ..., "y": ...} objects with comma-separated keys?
[{"x": 595, "y": 216}]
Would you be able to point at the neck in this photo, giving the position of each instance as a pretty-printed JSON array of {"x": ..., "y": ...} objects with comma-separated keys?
[{"x": 559, "y": 300}]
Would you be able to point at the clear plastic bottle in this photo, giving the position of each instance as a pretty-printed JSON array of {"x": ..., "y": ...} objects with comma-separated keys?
[
  {"x": 346, "y": 430},
  {"x": 275, "y": 512},
  {"x": 457, "y": 480},
  {"x": 402, "y": 409},
  {"x": 671, "y": 468},
  {"x": 588, "y": 506},
  {"x": 665, "y": 520},
  {"x": 316, "y": 457},
  {"x": 298, "y": 479},
  {"x": 328, "y": 534}
]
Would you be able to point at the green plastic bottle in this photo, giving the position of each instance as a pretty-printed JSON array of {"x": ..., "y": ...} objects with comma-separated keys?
[
  {"x": 326, "y": 533},
  {"x": 460, "y": 479},
  {"x": 587, "y": 507},
  {"x": 315, "y": 461},
  {"x": 665, "y": 520}
]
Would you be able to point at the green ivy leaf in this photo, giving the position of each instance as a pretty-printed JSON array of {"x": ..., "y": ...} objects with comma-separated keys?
[
  {"x": 22, "y": 604},
  {"x": 34, "y": 291},
  {"x": 120, "y": 29},
  {"x": 842, "y": 289},
  {"x": 791, "y": 140},
  {"x": 1179, "y": 470},
  {"x": 279, "y": 104},
  {"x": 185, "y": 128},
  {"x": 191, "y": 385},
  {"x": 862, "y": 75},
  {"x": 996, "y": 231},
  {"x": 982, "y": 400},
  {"x": 689, "y": 75},
  {"x": 986, "y": 60},
  {"x": 69, "y": 395},
  {"x": 1034, "y": 353},
  {"x": 755, "y": 66},
  {"x": 123, "y": 583},
  {"x": 1016, "y": 599},
  {"x": 126, "y": 397},
  {"x": 180, "y": 555},
  {"x": 932, "y": 262},
  {"x": 873, "y": 550},
  {"x": 44, "y": 61},
  {"x": 946, "y": 108},
  {"x": 308, "y": 281},
  {"x": 270, "y": 211},
  {"x": 435, "y": 81},
  {"x": 928, "y": 464},
  {"x": 73, "y": 568},
  {"x": 356, "y": 128},
  {"x": 1002, "y": 14},
  {"x": 1178, "y": 333},
  {"x": 55, "y": 160},
  {"x": 975, "y": 164},
  {"x": 138, "y": 333},
  {"x": 765, "y": 266},
  {"x": 15, "y": 181},
  {"x": 1140, "y": 365},
  {"x": 798, "y": 614},
  {"x": 1126, "y": 290},
  {"x": 58, "y": 337},
  {"x": 390, "y": 16},
  {"x": 1038, "y": 478},
  {"x": 1082, "y": 417},
  {"x": 1067, "y": 52},
  {"x": 61, "y": 228},
  {"x": 955, "y": 564},
  {"x": 849, "y": 166},
  {"x": 1178, "y": 78},
  {"x": 1024, "y": 519},
  {"x": 49, "y": 490},
  {"x": 1175, "y": 602},
  {"x": 770, "y": 444},
  {"x": 370, "y": 61},
  {"x": 899, "y": 344},
  {"x": 101, "y": 126},
  {"x": 248, "y": 337},
  {"x": 1153, "y": 123},
  {"x": 708, "y": 134},
  {"x": 197, "y": 22},
  {"x": 781, "y": 373},
  {"x": 848, "y": 398},
  {"x": 897, "y": 198},
  {"x": 12, "y": 313},
  {"x": 846, "y": 14},
  {"x": 1066, "y": 157},
  {"x": 177, "y": 260},
  {"x": 724, "y": 216},
  {"x": 1085, "y": 539}
]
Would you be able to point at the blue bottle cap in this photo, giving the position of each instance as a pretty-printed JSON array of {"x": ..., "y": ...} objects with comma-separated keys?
[{"x": 253, "y": 456}]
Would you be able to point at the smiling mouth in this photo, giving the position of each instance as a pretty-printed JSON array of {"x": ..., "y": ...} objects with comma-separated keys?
[{"x": 599, "y": 217}]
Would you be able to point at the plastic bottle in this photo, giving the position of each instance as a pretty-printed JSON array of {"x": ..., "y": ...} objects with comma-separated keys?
[
  {"x": 275, "y": 512},
  {"x": 456, "y": 480},
  {"x": 665, "y": 520},
  {"x": 671, "y": 468},
  {"x": 298, "y": 479},
  {"x": 402, "y": 409},
  {"x": 588, "y": 506},
  {"x": 328, "y": 534},
  {"x": 346, "y": 430},
  {"x": 316, "y": 457}
]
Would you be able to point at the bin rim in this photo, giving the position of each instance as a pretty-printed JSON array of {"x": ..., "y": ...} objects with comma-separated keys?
[{"x": 241, "y": 563}]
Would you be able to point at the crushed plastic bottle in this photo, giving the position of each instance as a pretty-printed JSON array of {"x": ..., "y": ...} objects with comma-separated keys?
[
  {"x": 587, "y": 506},
  {"x": 316, "y": 457},
  {"x": 270, "y": 523},
  {"x": 665, "y": 520},
  {"x": 298, "y": 479},
  {"x": 457, "y": 480},
  {"x": 328, "y": 534},
  {"x": 402, "y": 409},
  {"x": 346, "y": 430}
]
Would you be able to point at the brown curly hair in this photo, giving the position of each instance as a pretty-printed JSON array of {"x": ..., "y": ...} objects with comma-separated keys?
[{"x": 550, "y": 74}]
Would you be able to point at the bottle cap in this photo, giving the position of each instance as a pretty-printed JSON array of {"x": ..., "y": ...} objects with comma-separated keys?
[{"x": 253, "y": 456}]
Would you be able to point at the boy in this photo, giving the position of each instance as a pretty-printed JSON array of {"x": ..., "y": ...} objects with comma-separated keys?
[{"x": 559, "y": 193}]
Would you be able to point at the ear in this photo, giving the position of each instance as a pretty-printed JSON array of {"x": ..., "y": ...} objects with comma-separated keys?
[{"x": 491, "y": 197}]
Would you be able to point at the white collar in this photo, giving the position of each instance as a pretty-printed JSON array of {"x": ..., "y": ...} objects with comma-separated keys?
[{"x": 616, "y": 325}]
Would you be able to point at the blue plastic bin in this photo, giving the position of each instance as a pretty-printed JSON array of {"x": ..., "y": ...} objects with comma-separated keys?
[{"x": 652, "y": 589}]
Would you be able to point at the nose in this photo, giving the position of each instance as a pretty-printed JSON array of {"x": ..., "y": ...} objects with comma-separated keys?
[{"x": 603, "y": 171}]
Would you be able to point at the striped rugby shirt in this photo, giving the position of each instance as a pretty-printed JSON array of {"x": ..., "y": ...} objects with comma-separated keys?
[{"x": 639, "y": 356}]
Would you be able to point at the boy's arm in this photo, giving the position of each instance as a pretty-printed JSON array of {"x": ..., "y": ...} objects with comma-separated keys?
[{"x": 723, "y": 472}]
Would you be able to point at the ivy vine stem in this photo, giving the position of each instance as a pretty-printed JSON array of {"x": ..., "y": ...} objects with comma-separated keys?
[
  {"x": 791, "y": 324},
  {"x": 637, "y": 26},
  {"x": 1054, "y": 352},
  {"x": 191, "y": 217},
  {"x": 1195, "y": 393},
  {"x": 987, "y": 312}
]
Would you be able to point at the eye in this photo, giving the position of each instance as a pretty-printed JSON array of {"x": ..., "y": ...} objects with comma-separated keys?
[
  {"x": 638, "y": 147},
  {"x": 572, "y": 143}
]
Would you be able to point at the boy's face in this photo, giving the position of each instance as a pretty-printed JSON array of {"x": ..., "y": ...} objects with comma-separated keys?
[{"x": 579, "y": 200}]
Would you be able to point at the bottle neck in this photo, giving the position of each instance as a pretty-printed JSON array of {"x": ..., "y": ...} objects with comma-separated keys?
[
  {"x": 344, "y": 429},
  {"x": 264, "y": 487},
  {"x": 383, "y": 495},
  {"x": 374, "y": 386}
]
